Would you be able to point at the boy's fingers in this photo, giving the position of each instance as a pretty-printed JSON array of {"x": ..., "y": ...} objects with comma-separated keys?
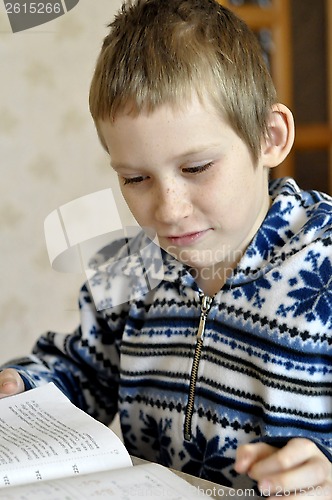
[
  {"x": 10, "y": 383},
  {"x": 299, "y": 464},
  {"x": 310, "y": 475},
  {"x": 249, "y": 454},
  {"x": 294, "y": 454}
]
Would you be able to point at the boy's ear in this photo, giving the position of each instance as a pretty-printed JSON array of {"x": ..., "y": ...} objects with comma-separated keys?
[{"x": 277, "y": 144}]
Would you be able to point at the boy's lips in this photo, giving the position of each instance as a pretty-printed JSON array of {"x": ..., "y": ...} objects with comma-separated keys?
[{"x": 187, "y": 238}]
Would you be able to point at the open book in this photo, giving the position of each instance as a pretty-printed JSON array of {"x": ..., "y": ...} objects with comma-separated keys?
[{"x": 49, "y": 449}]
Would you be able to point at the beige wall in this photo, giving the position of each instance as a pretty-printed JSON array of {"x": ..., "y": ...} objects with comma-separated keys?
[{"x": 50, "y": 155}]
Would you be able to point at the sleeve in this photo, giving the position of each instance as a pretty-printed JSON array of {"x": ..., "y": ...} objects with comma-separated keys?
[{"x": 84, "y": 365}]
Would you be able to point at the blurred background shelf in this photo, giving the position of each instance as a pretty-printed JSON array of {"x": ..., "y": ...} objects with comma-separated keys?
[{"x": 296, "y": 39}]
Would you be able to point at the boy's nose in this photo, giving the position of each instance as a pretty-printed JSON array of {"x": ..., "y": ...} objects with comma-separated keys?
[{"x": 172, "y": 205}]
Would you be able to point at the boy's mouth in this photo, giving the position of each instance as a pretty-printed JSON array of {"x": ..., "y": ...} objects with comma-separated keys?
[{"x": 187, "y": 238}]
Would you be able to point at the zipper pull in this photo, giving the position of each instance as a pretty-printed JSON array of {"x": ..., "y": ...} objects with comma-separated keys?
[{"x": 205, "y": 307}]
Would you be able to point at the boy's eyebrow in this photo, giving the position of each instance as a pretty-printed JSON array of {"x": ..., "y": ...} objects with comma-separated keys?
[
  {"x": 186, "y": 154},
  {"x": 199, "y": 149},
  {"x": 119, "y": 166}
]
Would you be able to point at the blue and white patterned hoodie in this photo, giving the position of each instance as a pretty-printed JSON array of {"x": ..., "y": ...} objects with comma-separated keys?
[{"x": 260, "y": 371}]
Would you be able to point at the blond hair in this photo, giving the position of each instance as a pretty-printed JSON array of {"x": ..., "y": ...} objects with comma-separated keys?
[{"x": 162, "y": 51}]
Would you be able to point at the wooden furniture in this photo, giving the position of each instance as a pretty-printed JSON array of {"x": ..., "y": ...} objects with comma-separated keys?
[{"x": 277, "y": 16}]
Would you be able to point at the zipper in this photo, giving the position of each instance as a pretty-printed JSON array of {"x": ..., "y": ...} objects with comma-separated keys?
[{"x": 206, "y": 303}]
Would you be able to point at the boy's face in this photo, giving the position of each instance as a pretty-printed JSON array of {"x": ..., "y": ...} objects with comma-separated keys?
[{"x": 189, "y": 177}]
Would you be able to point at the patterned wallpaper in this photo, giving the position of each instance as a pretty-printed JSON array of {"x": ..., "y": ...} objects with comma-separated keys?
[{"x": 50, "y": 155}]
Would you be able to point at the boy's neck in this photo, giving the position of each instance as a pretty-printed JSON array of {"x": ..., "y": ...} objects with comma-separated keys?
[{"x": 211, "y": 280}]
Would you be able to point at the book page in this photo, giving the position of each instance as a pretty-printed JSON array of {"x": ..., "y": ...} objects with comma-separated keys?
[
  {"x": 150, "y": 481},
  {"x": 44, "y": 436}
]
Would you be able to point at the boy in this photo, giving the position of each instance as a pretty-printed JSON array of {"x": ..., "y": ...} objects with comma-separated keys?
[{"x": 223, "y": 369}]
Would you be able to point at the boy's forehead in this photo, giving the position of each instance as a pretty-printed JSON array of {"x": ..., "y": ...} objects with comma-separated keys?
[
  {"x": 166, "y": 112},
  {"x": 162, "y": 124},
  {"x": 165, "y": 134}
]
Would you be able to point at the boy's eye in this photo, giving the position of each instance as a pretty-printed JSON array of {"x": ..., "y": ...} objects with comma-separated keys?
[
  {"x": 198, "y": 169},
  {"x": 187, "y": 170},
  {"x": 133, "y": 180}
]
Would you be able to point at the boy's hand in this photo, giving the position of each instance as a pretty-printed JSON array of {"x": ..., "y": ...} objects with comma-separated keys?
[
  {"x": 299, "y": 469},
  {"x": 10, "y": 383}
]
